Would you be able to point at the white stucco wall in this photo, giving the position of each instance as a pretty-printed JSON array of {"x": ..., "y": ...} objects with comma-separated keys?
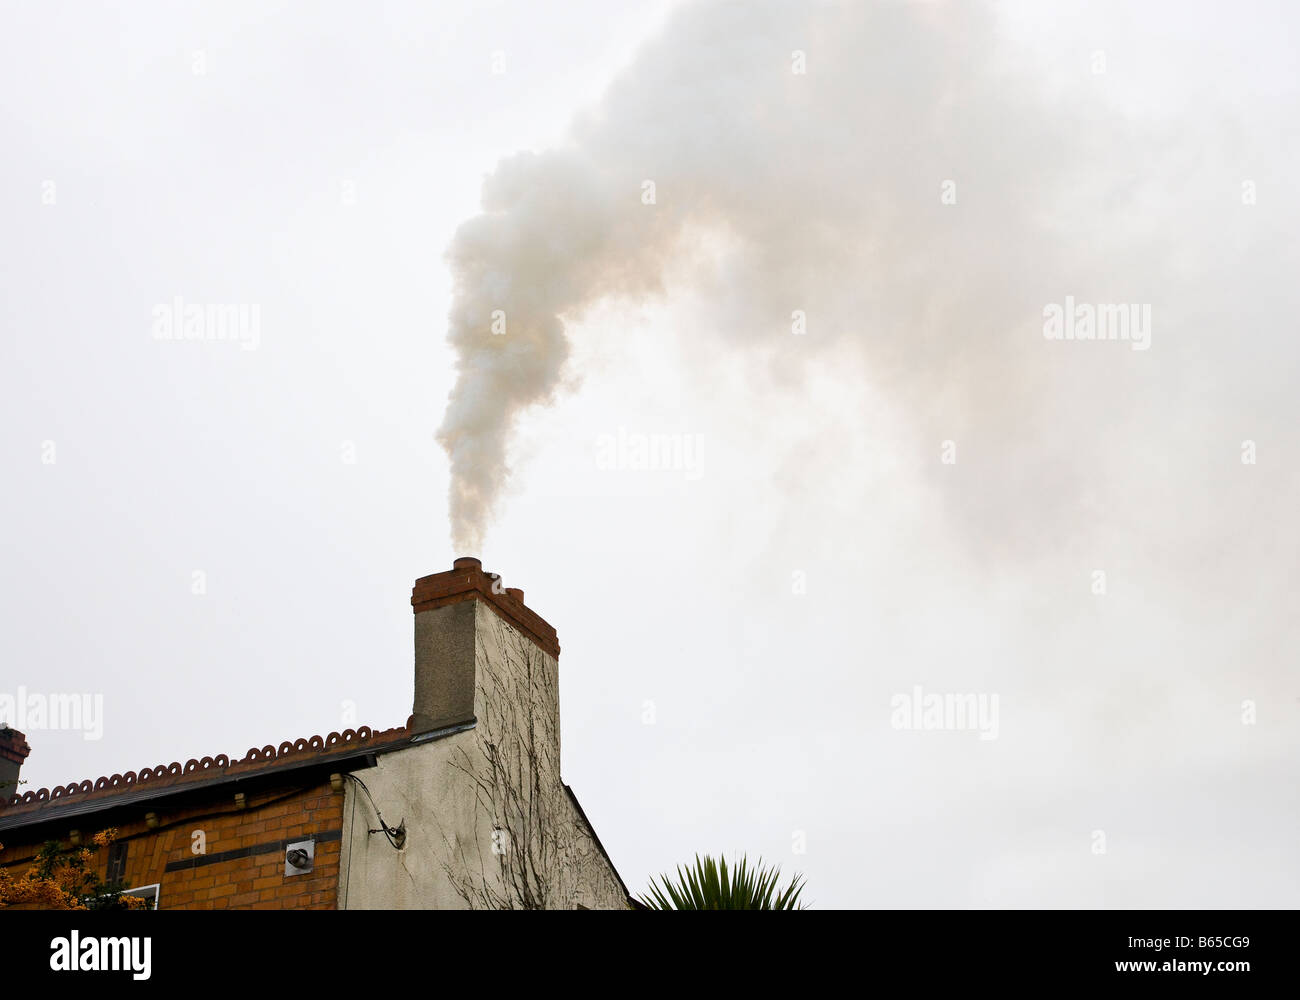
[{"x": 488, "y": 821}]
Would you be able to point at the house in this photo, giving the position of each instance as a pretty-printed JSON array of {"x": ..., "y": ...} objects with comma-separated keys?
[{"x": 462, "y": 807}]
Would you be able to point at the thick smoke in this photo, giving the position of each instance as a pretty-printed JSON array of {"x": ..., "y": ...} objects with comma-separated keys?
[{"x": 885, "y": 168}]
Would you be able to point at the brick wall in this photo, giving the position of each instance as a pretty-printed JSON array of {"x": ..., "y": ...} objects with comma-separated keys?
[{"x": 252, "y": 879}]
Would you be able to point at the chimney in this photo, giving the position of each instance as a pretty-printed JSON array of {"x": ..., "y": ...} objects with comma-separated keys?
[
  {"x": 13, "y": 751},
  {"x": 453, "y": 645}
]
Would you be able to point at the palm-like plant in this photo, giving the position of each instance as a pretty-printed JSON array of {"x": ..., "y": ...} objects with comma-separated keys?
[{"x": 710, "y": 885}]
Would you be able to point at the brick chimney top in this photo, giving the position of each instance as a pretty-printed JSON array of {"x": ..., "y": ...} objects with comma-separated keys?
[
  {"x": 13, "y": 751},
  {"x": 452, "y": 664},
  {"x": 13, "y": 746},
  {"x": 467, "y": 581}
]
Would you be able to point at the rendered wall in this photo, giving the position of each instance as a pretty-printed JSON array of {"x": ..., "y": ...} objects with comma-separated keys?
[{"x": 489, "y": 823}]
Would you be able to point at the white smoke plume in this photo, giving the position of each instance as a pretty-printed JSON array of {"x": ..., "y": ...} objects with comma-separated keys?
[{"x": 895, "y": 170}]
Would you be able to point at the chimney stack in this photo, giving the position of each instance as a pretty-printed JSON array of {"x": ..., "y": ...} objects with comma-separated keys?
[
  {"x": 450, "y": 647},
  {"x": 13, "y": 751}
]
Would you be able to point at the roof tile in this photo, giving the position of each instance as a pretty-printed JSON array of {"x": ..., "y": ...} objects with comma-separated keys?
[{"x": 195, "y": 771}]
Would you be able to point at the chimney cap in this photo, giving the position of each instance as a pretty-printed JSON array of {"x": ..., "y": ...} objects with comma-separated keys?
[{"x": 467, "y": 581}]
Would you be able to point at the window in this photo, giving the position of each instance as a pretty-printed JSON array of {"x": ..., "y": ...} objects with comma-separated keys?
[
  {"x": 116, "y": 862},
  {"x": 147, "y": 892}
]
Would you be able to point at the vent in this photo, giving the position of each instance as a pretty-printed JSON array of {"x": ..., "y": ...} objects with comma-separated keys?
[{"x": 299, "y": 857}]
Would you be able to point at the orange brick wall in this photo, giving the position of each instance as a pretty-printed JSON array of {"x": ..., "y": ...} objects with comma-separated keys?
[{"x": 256, "y": 881}]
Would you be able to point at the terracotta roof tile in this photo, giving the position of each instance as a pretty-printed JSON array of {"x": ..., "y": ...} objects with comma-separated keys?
[{"x": 197, "y": 771}]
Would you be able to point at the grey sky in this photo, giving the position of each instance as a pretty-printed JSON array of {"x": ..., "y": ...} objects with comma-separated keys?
[{"x": 734, "y": 629}]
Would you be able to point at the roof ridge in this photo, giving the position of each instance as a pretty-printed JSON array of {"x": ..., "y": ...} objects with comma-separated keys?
[{"x": 264, "y": 755}]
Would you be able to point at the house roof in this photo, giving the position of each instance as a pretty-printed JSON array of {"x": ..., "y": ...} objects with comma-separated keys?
[
  {"x": 632, "y": 900},
  {"x": 111, "y": 791},
  {"x": 206, "y": 774}
]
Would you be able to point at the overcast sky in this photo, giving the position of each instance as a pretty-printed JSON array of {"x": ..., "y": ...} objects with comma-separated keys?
[{"x": 912, "y": 485}]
